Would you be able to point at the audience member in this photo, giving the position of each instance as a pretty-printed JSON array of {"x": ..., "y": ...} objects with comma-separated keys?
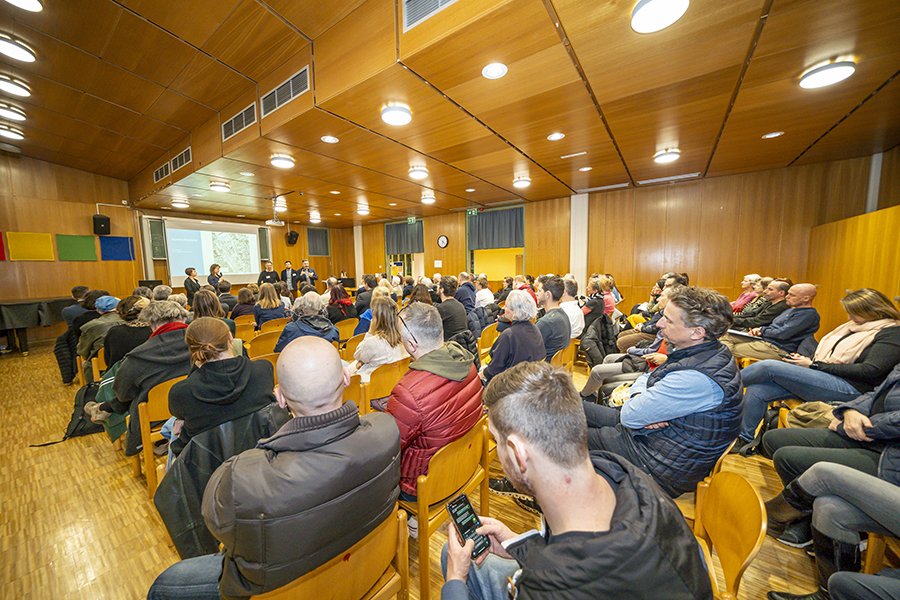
[
  {"x": 774, "y": 293},
  {"x": 673, "y": 279},
  {"x": 245, "y": 303},
  {"x": 143, "y": 291},
  {"x": 483, "y": 296},
  {"x": 381, "y": 345},
  {"x": 92, "y": 332},
  {"x": 753, "y": 307},
  {"x": 555, "y": 327},
  {"x": 607, "y": 531},
  {"x": 364, "y": 297},
  {"x": 253, "y": 288},
  {"x": 207, "y": 305},
  {"x": 501, "y": 294},
  {"x": 748, "y": 292},
  {"x": 420, "y": 293},
  {"x": 310, "y": 321},
  {"x": 268, "y": 307},
  {"x": 181, "y": 299},
  {"x": 520, "y": 283},
  {"x": 329, "y": 285},
  {"x": 365, "y": 319},
  {"x": 226, "y": 298},
  {"x": 162, "y": 292},
  {"x": 268, "y": 275},
  {"x": 386, "y": 284},
  {"x": 191, "y": 285},
  {"x": 650, "y": 307},
  {"x": 569, "y": 305},
  {"x": 275, "y": 526},
  {"x": 453, "y": 313},
  {"x": 90, "y": 311},
  {"x": 130, "y": 333},
  {"x": 340, "y": 306},
  {"x": 70, "y": 312},
  {"x": 284, "y": 294},
  {"x": 521, "y": 341},
  {"x": 593, "y": 304},
  {"x": 408, "y": 285}
]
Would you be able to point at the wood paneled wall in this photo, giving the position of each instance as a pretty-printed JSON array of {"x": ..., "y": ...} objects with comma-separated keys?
[
  {"x": 547, "y": 230},
  {"x": 374, "y": 260},
  {"x": 719, "y": 229},
  {"x": 342, "y": 255},
  {"x": 453, "y": 257},
  {"x": 889, "y": 191}
]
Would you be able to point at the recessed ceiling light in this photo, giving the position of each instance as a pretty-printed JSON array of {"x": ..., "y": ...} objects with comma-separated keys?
[
  {"x": 556, "y": 136},
  {"x": 16, "y": 88},
  {"x": 573, "y": 155},
  {"x": 667, "y": 156},
  {"x": 827, "y": 74},
  {"x": 219, "y": 186},
  {"x": 334, "y": 192},
  {"x": 418, "y": 172},
  {"x": 180, "y": 203},
  {"x": 206, "y": 222},
  {"x": 9, "y": 132},
  {"x": 29, "y": 5},
  {"x": 427, "y": 197},
  {"x": 248, "y": 174},
  {"x": 774, "y": 134},
  {"x": 15, "y": 49},
  {"x": 654, "y": 15},
  {"x": 315, "y": 220},
  {"x": 396, "y": 114},
  {"x": 11, "y": 112},
  {"x": 281, "y": 161},
  {"x": 392, "y": 204},
  {"x": 521, "y": 182},
  {"x": 582, "y": 169},
  {"x": 337, "y": 214},
  {"x": 494, "y": 71},
  {"x": 166, "y": 207},
  {"x": 10, "y": 148},
  {"x": 470, "y": 189},
  {"x": 363, "y": 210},
  {"x": 197, "y": 195},
  {"x": 239, "y": 215},
  {"x": 329, "y": 139}
]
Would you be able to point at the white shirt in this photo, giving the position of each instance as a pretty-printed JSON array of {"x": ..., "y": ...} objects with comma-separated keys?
[
  {"x": 483, "y": 298},
  {"x": 576, "y": 317}
]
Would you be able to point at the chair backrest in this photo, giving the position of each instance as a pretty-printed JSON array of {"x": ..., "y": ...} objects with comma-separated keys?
[
  {"x": 272, "y": 358},
  {"x": 274, "y": 325},
  {"x": 379, "y": 563},
  {"x": 721, "y": 461},
  {"x": 345, "y": 328},
  {"x": 354, "y": 392},
  {"x": 488, "y": 337},
  {"x": 384, "y": 378},
  {"x": 565, "y": 358},
  {"x": 158, "y": 400},
  {"x": 101, "y": 360},
  {"x": 454, "y": 464},
  {"x": 243, "y": 319},
  {"x": 244, "y": 331},
  {"x": 264, "y": 343},
  {"x": 734, "y": 524},
  {"x": 350, "y": 347}
]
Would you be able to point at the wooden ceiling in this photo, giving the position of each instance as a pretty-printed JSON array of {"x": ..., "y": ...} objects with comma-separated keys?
[{"x": 121, "y": 87}]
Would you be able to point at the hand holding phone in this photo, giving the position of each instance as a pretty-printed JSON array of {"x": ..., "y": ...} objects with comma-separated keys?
[{"x": 466, "y": 522}]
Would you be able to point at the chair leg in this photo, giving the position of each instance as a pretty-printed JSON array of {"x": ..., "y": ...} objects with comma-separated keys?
[
  {"x": 149, "y": 469},
  {"x": 136, "y": 465},
  {"x": 424, "y": 559}
]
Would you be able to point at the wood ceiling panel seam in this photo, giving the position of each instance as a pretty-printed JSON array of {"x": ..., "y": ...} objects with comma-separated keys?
[
  {"x": 844, "y": 118},
  {"x": 760, "y": 25},
  {"x": 551, "y": 10},
  {"x": 283, "y": 20}
]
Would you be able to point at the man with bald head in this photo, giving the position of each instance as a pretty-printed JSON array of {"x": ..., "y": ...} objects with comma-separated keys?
[
  {"x": 301, "y": 497},
  {"x": 786, "y": 332}
]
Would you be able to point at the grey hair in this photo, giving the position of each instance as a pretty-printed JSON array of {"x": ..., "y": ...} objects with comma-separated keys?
[
  {"x": 571, "y": 286},
  {"x": 704, "y": 308},
  {"x": 309, "y": 303},
  {"x": 424, "y": 323},
  {"x": 180, "y": 299},
  {"x": 163, "y": 311},
  {"x": 162, "y": 292},
  {"x": 522, "y": 305}
]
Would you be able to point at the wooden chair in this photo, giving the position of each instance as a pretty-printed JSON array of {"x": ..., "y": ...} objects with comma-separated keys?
[
  {"x": 156, "y": 408},
  {"x": 875, "y": 552},
  {"x": 350, "y": 348},
  {"x": 459, "y": 467},
  {"x": 488, "y": 336},
  {"x": 786, "y": 407},
  {"x": 687, "y": 504},
  {"x": 243, "y": 320},
  {"x": 244, "y": 331},
  {"x": 354, "y": 392},
  {"x": 272, "y": 358},
  {"x": 345, "y": 329},
  {"x": 274, "y": 325},
  {"x": 565, "y": 358},
  {"x": 375, "y": 568},
  {"x": 264, "y": 343},
  {"x": 98, "y": 365},
  {"x": 732, "y": 518},
  {"x": 381, "y": 381}
]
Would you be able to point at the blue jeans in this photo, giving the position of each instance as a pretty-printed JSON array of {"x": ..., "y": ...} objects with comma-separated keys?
[
  {"x": 487, "y": 581},
  {"x": 190, "y": 579},
  {"x": 771, "y": 380}
]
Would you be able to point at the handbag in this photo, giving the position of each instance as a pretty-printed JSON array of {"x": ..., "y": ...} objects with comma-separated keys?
[{"x": 817, "y": 415}]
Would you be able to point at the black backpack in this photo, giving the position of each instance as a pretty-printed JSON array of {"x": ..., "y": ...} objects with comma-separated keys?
[
  {"x": 80, "y": 423},
  {"x": 770, "y": 421}
]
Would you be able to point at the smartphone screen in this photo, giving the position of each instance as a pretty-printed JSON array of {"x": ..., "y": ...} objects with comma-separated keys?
[{"x": 466, "y": 522}]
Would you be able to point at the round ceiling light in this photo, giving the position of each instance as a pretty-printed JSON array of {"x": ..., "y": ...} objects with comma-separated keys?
[
  {"x": 556, "y": 136},
  {"x": 418, "y": 172},
  {"x": 396, "y": 114},
  {"x": 11, "y": 112},
  {"x": 335, "y": 192},
  {"x": 314, "y": 218},
  {"x": 494, "y": 71},
  {"x": 219, "y": 186},
  {"x": 470, "y": 190},
  {"x": 363, "y": 210},
  {"x": 584, "y": 169},
  {"x": 521, "y": 182},
  {"x": 392, "y": 204},
  {"x": 10, "y": 148},
  {"x": 827, "y": 74},
  {"x": 180, "y": 203},
  {"x": 427, "y": 197},
  {"x": 248, "y": 174},
  {"x": 10, "y": 133},
  {"x": 29, "y": 5},
  {"x": 16, "y": 88},
  {"x": 774, "y": 134},
  {"x": 667, "y": 156},
  {"x": 649, "y": 16},
  {"x": 16, "y": 49},
  {"x": 281, "y": 161},
  {"x": 329, "y": 139}
]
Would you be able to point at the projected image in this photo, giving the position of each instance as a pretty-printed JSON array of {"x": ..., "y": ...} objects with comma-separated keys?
[
  {"x": 236, "y": 252},
  {"x": 232, "y": 252}
]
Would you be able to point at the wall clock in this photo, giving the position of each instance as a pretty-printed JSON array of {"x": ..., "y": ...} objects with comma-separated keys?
[{"x": 443, "y": 241}]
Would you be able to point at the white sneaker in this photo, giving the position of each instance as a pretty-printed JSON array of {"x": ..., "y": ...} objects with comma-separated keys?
[{"x": 412, "y": 524}]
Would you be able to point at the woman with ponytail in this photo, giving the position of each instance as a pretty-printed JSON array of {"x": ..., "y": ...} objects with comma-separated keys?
[{"x": 220, "y": 387}]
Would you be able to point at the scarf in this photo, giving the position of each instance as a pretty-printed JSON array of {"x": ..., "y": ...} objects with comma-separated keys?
[
  {"x": 846, "y": 343},
  {"x": 174, "y": 326}
]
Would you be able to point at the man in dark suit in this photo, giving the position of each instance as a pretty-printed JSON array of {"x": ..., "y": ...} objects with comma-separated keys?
[
  {"x": 364, "y": 298},
  {"x": 290, "y": 277},
  {"x": 307, "y": 274}
]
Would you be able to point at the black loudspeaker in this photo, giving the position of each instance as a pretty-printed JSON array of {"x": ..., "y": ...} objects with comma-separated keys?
[
  {"x": 292, "y": 237},
  {"x": 101, "y": 225}
]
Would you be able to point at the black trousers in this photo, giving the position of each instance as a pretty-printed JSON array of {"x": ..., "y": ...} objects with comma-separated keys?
[
  {"x": 796, "y": 450},
  {"x": 12, "y": 334}
]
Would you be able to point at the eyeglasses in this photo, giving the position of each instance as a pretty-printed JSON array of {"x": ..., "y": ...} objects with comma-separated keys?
[{"x": 407, "y": 329}]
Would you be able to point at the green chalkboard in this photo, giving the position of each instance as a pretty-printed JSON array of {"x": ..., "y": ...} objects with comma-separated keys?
[
  {"x": 264, "y": 244},
  {"x": 76, "y": 247},
  {"x": 157, "y": 239}
]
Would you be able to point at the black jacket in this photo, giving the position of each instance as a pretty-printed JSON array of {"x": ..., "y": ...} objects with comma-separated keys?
[
  {"x": 599, "y": 339},
  {"x": 362, "y": 301},
  {"x": 477, "y": 320},
  {"x": 241, "y": 310},
  {"x": 465, "y": 293},
  {"x": 872, "y": 366},
  {"x": 520, "y": 342},
  {"x": 122, "y": 339},
  {"x": 339, "y": 312},
  {"x": 191, "y": 287},
  {"x": 228, "y": 302},
  {"x": 764, "y": 317},
  {"x": 453, "y": 317}
]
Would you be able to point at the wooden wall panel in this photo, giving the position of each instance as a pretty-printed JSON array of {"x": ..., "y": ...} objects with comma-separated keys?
[
  {"x": 845, "y": 193},
  {"x": 649, "y": 235},
  {"x": 453, "y": 257},
  {"x": 547, "y": 227},
  {"x": 682, "y": 229},
  {"x": 342, "y": 252},
  {"x": 374, "y": 260},
  {"x": 889, "y": 190},
  {"x": 720, "y": 226}
]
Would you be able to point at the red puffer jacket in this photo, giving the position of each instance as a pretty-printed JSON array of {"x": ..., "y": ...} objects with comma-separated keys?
[{"x": 432, "y": 411}]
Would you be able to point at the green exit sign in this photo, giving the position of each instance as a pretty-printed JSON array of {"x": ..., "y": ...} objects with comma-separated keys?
[
  {"x": 472, "y": 212},
  {"x": 411, "y": 220}
]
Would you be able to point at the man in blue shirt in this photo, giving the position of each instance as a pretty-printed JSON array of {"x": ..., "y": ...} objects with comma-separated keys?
[{"x": 681, "y": 417}]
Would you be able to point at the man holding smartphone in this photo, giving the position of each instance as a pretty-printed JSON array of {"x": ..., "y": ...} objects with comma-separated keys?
[{"x": 601, "y": 514}]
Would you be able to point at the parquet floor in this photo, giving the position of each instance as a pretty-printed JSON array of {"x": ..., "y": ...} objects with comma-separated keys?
[{"x": 75, "y": 523}]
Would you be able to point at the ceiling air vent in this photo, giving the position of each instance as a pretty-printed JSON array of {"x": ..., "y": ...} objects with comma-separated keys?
[
  {"x": 416, "y": 11},
  {"x": 161, "y": 173},
  {"x": 181, "y": 160},
  {"x": 239, "y": 122},
  {"x": 287, "y": 91}
]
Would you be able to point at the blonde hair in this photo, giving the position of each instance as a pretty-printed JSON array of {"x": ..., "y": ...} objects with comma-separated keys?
[
  {"x": 382, "y": 292},
  {"x": 384, "y": 320},
  {"x": 207, "y": 338},
  {"x": 604, "y": 283},
  {"x": 267, "y": 297},
  {"x": 869, "y": 304}
]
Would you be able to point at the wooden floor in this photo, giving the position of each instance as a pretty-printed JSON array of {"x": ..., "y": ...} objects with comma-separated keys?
[{"x": 75, "y": 523}]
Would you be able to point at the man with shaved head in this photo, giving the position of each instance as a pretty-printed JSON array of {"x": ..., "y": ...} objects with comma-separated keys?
[
  {"x": 786, "y": 332},
  {"x": 301, "y": 497}
]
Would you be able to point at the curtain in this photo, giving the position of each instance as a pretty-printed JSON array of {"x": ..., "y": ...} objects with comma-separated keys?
[
  {"x": 497, "y": 229},
  {"x": 404, "y": 238},
  {"x": 317, "y": 241}
]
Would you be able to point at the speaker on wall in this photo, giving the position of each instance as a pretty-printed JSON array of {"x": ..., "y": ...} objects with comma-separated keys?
[
  {"x": 101, "y": 225},
  {"x": 292, "y": 237}
]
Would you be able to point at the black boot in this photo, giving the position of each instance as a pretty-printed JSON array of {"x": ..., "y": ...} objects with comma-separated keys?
[
  {"x": 788, "y": 506},
  {"x": 831, "y": 556}
]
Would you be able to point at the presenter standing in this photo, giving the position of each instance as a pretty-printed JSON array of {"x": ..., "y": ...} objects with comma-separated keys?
[
  {"x": 268, "y": 276},
  {"x": 215, "y": 276},
  {"x": 191, "y": 285},
  {"x": 307, "y": 274},
  {"x": 289, "y": 276}
]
